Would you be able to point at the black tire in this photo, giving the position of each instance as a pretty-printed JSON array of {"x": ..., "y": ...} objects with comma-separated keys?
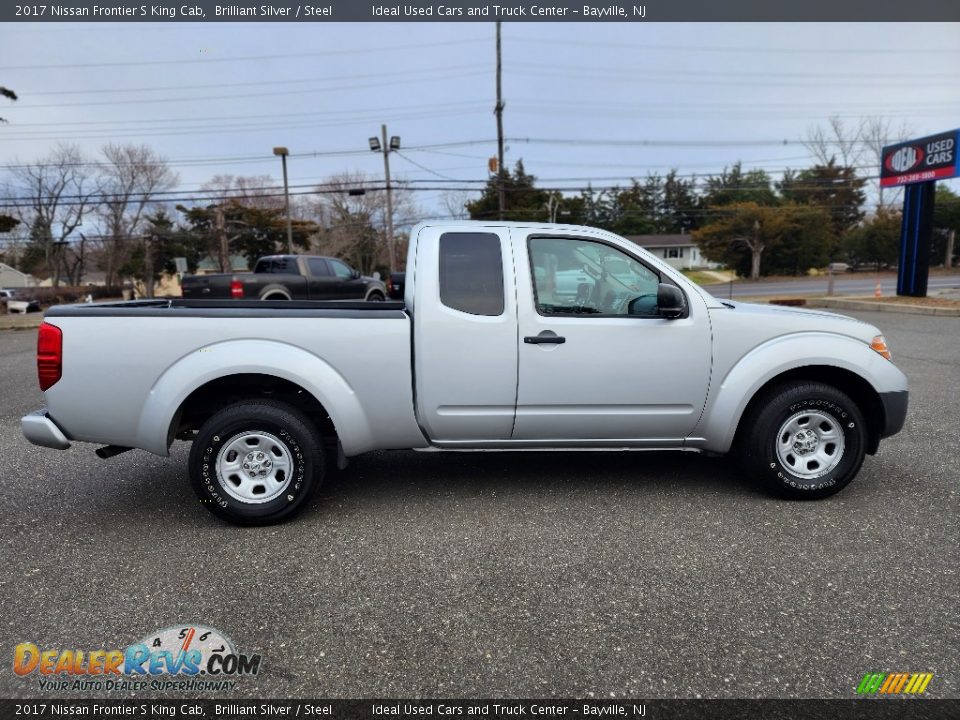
[
  {"x": 375, "y": 297},
  {"x": 278, "y": 432},
  {"x": 793, "y": 472}
]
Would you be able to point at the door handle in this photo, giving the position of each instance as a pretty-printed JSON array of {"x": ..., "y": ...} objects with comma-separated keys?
[{"x": 544, "y": 339}]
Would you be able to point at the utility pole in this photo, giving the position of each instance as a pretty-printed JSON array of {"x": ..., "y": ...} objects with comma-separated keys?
[
  {"x": 148, "y": 242},
  {"x": 283, "y": 152},
  {"x": 948, "y": 260},
  {"x": 501, "y": 192}
]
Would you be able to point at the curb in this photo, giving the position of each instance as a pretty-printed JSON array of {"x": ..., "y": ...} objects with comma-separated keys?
[
  {"x": 868, "y": 305},
  {"x": 30, "y": 321}
]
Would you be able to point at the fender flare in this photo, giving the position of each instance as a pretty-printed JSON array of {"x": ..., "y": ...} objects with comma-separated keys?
[
  {"x": 376, "y": 289},
  {"x": 275, "y": 288},
  {"x": 729, "y": 396},
  {"x": 260, "y": 357}
]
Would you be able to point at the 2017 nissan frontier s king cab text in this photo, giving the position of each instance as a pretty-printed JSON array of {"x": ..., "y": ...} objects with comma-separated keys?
[{"x": 510, "y": 336}]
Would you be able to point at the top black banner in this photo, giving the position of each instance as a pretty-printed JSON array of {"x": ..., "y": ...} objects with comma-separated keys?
[{"x": 479, "y": 11}]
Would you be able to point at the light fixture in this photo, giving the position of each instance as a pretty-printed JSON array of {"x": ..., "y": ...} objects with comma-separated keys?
[
  {"x": 395, "y": 142},
  {"x": 281, "y": 151},
  {"x": 375, "y": 144}
]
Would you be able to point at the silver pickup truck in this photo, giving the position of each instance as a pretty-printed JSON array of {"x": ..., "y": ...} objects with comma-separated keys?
[{"x": 510, "y": 336}]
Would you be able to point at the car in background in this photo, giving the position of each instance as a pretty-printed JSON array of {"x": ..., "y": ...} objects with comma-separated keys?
[
  {"x": 16, "y": 303},
  {"x": 287, "y": 277}
]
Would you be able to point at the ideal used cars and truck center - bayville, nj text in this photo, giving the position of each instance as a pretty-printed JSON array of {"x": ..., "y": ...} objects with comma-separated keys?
[{"x": 510, "y": 336}]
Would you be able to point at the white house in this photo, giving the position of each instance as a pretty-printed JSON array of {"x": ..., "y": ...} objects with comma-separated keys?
[
  {"x": 10, "y": 277},
  {"x": 678, "y": 250}
]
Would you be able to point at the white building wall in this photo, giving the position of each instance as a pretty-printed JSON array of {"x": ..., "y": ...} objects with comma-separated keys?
[{"x": 13, "y": 278}]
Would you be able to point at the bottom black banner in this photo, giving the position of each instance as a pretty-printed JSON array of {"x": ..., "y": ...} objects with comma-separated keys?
[{"x": 458, "y": 709}]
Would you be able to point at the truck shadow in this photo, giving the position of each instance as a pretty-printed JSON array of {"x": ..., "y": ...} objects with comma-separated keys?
[{"x": 418, "y": 473}]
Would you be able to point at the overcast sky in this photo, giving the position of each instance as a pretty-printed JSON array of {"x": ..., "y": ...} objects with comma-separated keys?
[{"x": 216, "y": 97}]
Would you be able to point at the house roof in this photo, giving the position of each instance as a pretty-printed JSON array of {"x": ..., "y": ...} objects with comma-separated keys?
[
  {"x": 10, "y": 269},
  {"x": 661, "y": 241}
]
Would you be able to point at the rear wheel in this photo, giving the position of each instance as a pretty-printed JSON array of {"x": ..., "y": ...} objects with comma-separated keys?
[
  {"x": 375, "y": 297},
  {"x": 256, "y": 462},
  {"x": 805, "y": 441}
]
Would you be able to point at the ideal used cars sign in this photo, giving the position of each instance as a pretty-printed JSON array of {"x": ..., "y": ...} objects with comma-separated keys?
[{"x": 929, "y": 158}]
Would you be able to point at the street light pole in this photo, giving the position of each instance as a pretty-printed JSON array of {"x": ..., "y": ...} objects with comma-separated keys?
[
  {"x": 382, "y": 144},
  {"x": 386, "y": 171},
  {"x": 283, "y": 152}
]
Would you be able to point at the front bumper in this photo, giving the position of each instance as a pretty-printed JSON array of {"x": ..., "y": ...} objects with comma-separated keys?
[
  {"x": 894, "y": 412},
  {"x": 38, "y": 428}
]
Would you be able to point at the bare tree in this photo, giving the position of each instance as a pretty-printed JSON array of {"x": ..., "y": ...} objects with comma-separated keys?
[
  {"x": 455, "y": 203},
  {"x": 57, "y": 193},
  {"x": 260, "y": 191},
  {"x": 839, "y": 142},
  {"x": 352, "y": 209},
  {"x": 132, "y": 178},
  {"x": 877, "y": 133}
]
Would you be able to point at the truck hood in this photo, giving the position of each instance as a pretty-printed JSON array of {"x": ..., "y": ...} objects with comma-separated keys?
[{"x": 790, "y": 319}]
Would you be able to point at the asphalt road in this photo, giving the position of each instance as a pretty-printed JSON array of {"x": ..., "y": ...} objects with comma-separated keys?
[
  {"x": 507, "y": 575},
  {"x": 847, "y": 284}
]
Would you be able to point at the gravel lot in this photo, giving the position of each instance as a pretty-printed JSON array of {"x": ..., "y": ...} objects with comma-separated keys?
[{"x": 494, "y": 575}]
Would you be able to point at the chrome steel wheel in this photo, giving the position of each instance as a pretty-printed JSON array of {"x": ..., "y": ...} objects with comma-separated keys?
[
  {"x": 254, "y": 466},
  {"x": 810, "y": 444}
]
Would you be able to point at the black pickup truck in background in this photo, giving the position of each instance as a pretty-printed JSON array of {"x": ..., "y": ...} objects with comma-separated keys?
[
  {"x": 287, "y": 277},
  {"x": 395, "y": 285}
]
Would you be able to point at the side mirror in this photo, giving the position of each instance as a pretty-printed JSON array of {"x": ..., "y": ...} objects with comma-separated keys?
[
  {"x": 354, "y": 274},
  {"x": 670, "y": 301}
]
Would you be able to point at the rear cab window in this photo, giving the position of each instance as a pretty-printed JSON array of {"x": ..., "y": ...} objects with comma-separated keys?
[{"x": 277, "y": 265}]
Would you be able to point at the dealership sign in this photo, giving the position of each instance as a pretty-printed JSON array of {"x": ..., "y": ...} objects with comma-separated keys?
[{"x": 929, "y": 158}]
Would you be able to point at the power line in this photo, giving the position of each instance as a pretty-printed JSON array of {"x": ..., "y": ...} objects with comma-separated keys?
[
  {"x": 420, "y": 107},
  {"x": 206, "y": 130},
  {"x": 806, "y": 51},
  {"x": 464, "y": 185},
  {"x": 206, "y": 59},
  {"x": 433, "y": 69},
  {"x": 238, "y": 96}
]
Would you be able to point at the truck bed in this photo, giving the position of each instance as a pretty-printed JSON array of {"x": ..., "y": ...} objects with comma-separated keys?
[{"x": 128, "y": 366}]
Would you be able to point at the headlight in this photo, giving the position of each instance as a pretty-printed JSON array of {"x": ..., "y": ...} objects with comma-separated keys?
[{"x": 879, "y": 345}]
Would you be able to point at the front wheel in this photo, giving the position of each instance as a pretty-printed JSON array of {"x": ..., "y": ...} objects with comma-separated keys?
[
  {"x": 805, "y": 441},
  {"x": 256, "y": 462}
]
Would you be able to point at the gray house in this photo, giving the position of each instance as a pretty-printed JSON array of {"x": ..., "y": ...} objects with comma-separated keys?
[{"x": 678, "y": 250}]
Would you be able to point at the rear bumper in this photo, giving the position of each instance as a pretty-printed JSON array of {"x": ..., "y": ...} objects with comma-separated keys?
[
  {"x": 894, "y": 412},
  {"x": 39, "y": 429}
]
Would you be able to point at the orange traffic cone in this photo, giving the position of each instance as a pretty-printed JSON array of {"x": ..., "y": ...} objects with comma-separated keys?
[{"x": 877, "y": 292}]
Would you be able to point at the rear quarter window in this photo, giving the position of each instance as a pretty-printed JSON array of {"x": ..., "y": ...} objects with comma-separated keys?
[{"x": 471, "y": 273}]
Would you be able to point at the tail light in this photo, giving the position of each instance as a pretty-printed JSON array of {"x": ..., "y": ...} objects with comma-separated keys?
[
  {"x": 49, "y": 355},
  {"x": 236, "y": 289},
  {"x": 389, "y": 285}
]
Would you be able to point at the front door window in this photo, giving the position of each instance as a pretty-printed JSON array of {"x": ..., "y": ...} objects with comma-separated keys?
[{"x": 583, "y": 277}]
